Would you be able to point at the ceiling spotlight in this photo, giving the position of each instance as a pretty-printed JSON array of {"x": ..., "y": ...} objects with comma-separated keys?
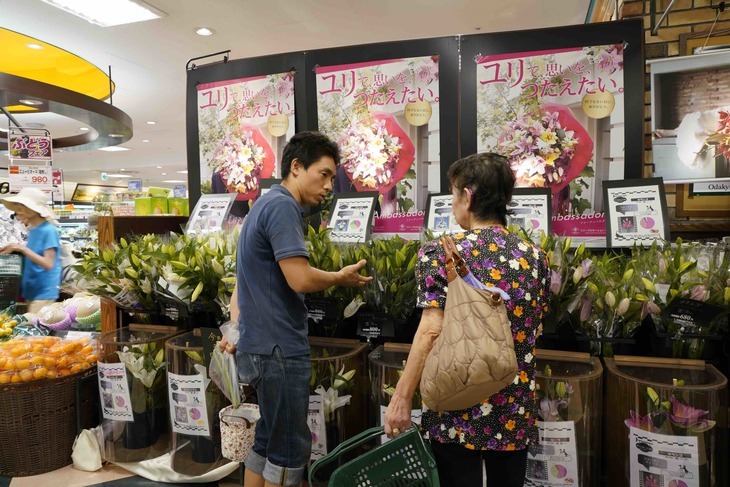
[
  {"x": 113, "y": 148},
  {"x": 116, "y": 136},
  {"x": 84, "y": 129},
  {"x": 145, "y": 140},
  {"x": 164, "y": 174},
  {"x": 204, "y": 31},
  {"x": 173, "y": 181},
  {"x": 122, "y": 169},
  {"x": 32, "y": 103},
  {"x": 151, "y": 122},
  {"x": 159, "y": 167},
  {"x": 33, "y": 46},
  {"x": 183, "y": 172}
]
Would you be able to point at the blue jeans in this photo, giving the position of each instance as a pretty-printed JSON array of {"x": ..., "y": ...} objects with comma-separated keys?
[{"x": 283, "y": 442}]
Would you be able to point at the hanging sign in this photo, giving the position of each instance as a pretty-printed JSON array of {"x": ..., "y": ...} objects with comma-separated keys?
[
  {"x": 26, "y": 176},
  {"x": 58, "y": 194},
  {"x": 30, "y": 148},
  {"x": 114, "y": 392}
]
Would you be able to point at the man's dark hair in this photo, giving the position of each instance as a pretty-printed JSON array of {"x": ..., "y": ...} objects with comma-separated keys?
[
  {"x": 308, "y": 148},
  {"x": 491, "y": 181}
]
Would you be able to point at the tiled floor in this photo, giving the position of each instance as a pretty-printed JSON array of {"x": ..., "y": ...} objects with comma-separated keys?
[{"x": 108, "y": 476}]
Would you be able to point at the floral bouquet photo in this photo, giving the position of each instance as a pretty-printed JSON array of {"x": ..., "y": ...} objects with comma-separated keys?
[
  {"x": 546, "y": 148},
  {"x": 376, "y": 153},
  {"x": 242, "y": 159}
]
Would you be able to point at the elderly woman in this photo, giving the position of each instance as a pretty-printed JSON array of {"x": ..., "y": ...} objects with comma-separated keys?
[{"x": 497, "y": 431}]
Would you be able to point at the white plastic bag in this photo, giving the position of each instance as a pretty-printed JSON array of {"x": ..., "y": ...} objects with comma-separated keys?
[{"x": 86, "y": 453}]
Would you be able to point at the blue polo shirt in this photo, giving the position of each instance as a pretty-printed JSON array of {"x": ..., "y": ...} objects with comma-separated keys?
[
  {"x": 37, "y": 282},
  {"x": 271, "y": 313}
]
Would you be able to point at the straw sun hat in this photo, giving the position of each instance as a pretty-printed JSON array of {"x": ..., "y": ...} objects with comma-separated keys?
[{"x": 32, "y": 198}]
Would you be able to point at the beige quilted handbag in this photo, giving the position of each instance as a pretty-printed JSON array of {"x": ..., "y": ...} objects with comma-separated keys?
[{"x": 474, "y": 356}]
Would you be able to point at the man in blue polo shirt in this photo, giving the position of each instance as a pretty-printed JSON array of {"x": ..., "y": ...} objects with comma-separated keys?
[{"x": 273, "y": 273}]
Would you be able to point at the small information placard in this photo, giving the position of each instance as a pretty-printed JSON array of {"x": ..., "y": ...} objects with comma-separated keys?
[
  {"x": 210, "y": 213},
  {"x": 114, "y": 392},
  {"x": 531, "y": 209},
  {"x": 636, "y": 212},
  {"x": 439, "y": 217},
  {"x": 188, "y": 410},
  {"x": 352, "y": 217}
]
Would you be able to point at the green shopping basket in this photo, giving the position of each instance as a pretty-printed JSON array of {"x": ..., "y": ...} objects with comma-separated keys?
[{"x": 403, "y": 461}]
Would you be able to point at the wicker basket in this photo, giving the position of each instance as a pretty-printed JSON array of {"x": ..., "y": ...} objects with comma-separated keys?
[{"x": 40, "y": 421}]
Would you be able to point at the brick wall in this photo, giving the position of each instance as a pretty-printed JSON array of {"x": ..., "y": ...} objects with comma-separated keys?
[
  {"x": 693, "y": 92},
  {"x": 686, "y": 17}
]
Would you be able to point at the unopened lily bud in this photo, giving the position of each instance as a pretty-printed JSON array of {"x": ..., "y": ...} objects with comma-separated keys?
[
  {"x": 623, "y": 306},
  {"x": 610, "y": 299}
]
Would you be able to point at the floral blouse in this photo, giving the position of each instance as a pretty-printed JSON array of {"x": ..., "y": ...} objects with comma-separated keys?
[{"x": 507, "y": 420}]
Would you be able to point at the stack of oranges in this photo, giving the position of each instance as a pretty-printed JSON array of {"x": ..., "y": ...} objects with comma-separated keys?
[{"x": 35, "y": 358}]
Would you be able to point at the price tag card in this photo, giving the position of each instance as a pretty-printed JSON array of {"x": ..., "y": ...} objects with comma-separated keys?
[{"x": 27, "y": 176}]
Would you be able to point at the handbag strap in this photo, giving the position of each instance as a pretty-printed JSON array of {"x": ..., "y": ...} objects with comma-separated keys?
[{"x": 454, "y": 261}]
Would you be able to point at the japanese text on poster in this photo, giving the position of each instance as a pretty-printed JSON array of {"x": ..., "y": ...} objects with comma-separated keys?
[
  {"x": 243, "y": 127},
  {"x": 114, "y": 392},
  {"x": 385, "y": 117},
  {"x": 546, "y": 112},
  {"x": 188, "y": 410}
]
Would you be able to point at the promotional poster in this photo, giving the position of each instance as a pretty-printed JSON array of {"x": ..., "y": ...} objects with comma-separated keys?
[
  {"x": 243, "y": 126},
  {"x": 557, "y": 115},
  {"x": 385, "y": 117}
]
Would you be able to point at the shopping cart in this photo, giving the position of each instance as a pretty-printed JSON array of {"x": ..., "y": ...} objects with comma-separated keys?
[{"x": 403, "y": 461}]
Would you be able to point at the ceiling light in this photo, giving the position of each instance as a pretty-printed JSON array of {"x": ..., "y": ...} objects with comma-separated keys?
[
  {"x": 122, "y": 169},
  {"x": 116, "y": 136},
  {"x": 173, "y": 181},
  {"x": 183, "y": 172},
  {"x": 84, "y": 129},
  {"x": 31, "y": 102},
  {"x": 145, "y": 140},
  {"x": 109, "y": 12},
  {"x": 119, "y": 176},
  {"x": 151, "y": 122},
  {"x": 164, "y": 174},
  {"x": 204, "y": 31},
  {"x": 159, "y": 167},
  {"x": 33, "y": 46},
  {"x": 113, "y": 148}
]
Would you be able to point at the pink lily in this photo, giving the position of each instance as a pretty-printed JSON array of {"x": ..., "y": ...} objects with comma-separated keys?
[
  {"x": 645, "y": 423},
  {"x": 688, "y": 417}
]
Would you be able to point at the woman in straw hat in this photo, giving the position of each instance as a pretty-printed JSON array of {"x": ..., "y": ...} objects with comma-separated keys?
[{"x": 41, "y": 264}]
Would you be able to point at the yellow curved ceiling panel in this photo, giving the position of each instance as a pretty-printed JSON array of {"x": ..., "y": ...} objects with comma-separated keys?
[{"x": 51, "y": 65}]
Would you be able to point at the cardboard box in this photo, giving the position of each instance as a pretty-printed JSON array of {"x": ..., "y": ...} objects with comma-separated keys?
[
  {"x": 143, "y": 206},
  {"x": 159, "y": 205},
  {"x": 178, "y": 206}
]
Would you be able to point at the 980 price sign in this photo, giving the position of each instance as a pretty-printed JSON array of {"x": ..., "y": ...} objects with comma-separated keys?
[{"x": 26, "y": 176}]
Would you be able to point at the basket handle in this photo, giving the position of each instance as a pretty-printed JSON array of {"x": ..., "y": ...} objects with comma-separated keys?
[{"x": 351, "y": 444}]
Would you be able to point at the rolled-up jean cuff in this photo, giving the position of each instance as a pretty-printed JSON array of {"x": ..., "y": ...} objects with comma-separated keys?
[
  {"x": 282, "y": 475},
  {"x": 255, "y": 462}
]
